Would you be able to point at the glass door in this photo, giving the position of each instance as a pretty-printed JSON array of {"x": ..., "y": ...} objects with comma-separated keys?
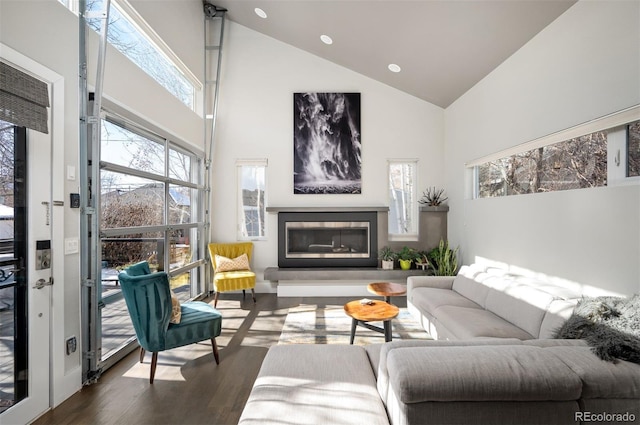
[{"x": 24, "y": 287}]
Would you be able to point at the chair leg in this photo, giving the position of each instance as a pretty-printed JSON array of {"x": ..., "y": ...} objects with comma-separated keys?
[
  {"x": 141, "y": 354},
  {"x": 215, "y": 300},
  {"x": 243, "y": 293},
  {"x": 154, "y": 362},
  {"x": 215, "y": 350},
  {"x": 253, "y": 294}
]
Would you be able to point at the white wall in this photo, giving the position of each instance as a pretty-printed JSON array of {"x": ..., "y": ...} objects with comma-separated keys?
[
  {"x": 583, "y": 66},
  {"x": 259, "y": 78}
]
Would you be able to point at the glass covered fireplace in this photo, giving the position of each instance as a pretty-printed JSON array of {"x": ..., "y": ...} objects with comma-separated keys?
[{"x": 327, "y": 239}]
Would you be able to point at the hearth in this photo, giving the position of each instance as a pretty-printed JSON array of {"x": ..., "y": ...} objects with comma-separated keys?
[{"x": 327, "y": 239}]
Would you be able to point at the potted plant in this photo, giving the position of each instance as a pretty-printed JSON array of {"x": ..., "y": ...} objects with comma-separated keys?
[
  {"x": 443, "y": 260},
  {"x": 387, "y": 256},
  {"x": 422, "y": 260},
  {"x": 406, "y": 256},
  {"x": 433, "y": 197}
]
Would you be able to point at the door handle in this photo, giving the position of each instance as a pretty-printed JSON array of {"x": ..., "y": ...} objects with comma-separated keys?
[{"x": 41, "y": 283}]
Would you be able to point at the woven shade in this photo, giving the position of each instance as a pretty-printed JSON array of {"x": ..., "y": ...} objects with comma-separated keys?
[{"x": 23, "y": 99}]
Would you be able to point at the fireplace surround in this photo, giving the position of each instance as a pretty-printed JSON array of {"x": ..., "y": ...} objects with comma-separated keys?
[{"x": 327, "y": 239}]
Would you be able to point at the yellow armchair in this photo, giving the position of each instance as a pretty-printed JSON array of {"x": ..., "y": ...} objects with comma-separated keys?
[{"x": 233, "y": 280}]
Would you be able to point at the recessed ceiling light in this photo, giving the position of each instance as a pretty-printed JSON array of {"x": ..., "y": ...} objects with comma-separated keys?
[
  {"x": 261, "y": 13},
  {"x": 326, "y": 39},
  {"x": 394, "y": 68}
]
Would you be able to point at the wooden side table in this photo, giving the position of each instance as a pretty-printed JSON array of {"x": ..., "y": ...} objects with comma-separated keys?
[
  {"x": 377, "y": 311},
  {"x": 387, "y": 290}
]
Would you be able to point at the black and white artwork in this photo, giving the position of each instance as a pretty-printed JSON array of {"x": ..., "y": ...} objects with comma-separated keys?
[{"x": 327, "y": 150}]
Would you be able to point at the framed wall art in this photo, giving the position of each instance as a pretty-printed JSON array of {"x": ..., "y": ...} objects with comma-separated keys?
[{"x": 327, "y": 148}]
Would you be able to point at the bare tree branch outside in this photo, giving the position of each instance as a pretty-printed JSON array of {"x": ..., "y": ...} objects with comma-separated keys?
[{"x": 572, "y": 164}]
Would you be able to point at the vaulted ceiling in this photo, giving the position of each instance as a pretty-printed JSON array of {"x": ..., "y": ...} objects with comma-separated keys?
[{"x": 443, "y": 47}]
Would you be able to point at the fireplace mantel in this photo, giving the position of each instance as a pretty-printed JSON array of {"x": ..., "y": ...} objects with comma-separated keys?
[{"x": 326, "y": 209}]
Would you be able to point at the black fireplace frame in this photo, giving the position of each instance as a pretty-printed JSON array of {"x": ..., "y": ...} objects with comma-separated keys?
[{"x": 342, "y": 216}]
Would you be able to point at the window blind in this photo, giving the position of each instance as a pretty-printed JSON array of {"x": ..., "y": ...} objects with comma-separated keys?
[{"x": 23, "y": 99}]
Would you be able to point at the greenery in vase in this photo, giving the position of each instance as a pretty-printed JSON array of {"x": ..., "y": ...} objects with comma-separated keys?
[
  {"x": 407, "y": 253},
  {"x": 387, "y": 254},
  {"x": 422, "y": 257},
  {"x": 443, "y": 260}
]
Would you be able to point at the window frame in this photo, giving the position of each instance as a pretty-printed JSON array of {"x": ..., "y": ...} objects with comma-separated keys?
[
  {"x": 196, "y": 225},
  {"x": 413, "y": 233},
  {"x": 614, "y": 124},
  {"x": 240, "y": 207},
  {"x": 129, "y": 13}
]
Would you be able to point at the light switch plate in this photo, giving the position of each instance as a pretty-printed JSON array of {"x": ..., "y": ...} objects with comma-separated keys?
[{"x": 71, "y": 246}]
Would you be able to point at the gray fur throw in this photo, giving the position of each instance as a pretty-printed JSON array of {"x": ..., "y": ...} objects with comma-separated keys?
[{"x": 610, "y": 325}]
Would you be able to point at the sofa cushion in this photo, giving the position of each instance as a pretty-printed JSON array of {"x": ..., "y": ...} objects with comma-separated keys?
[
  {"x": 479, "y": 373},
  {"x": 546, "y": 343},
  {"x": 468, "y": 284},
  {"x": 557, "y": 313},
  {"x": 383, "y": 371},
  {"x": 601, "y": 379},
  {"x": 467, "y": 323},
  {"x": 315, "y": 384},
  {"x": 522, "y": 305},
  {"x": 430, "y": 299},
  {"x": 373, "y": 353}
]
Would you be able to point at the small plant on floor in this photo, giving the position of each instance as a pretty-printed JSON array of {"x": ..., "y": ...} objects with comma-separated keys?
[
  {"x": 433, "y": 197},
  {"x": 443, "y": 260}
]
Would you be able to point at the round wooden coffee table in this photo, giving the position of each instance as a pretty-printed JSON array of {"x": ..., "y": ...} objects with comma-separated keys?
[
  {"x": 377, "y": 311},
  {"x": 387, "y": 289}
]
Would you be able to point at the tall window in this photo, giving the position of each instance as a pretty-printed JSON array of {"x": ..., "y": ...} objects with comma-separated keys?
[
  {"x": 251, "y": 199},
  {"x": 403, "y": 205},
  {"x": 150, "y": 196},
  {"x": 133, "y": 37}
]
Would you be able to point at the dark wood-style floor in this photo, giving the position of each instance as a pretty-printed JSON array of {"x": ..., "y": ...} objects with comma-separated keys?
[{"x": 189, "y": 388}]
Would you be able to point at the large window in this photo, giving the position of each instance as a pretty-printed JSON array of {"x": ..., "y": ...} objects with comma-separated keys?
[
  {"x": 572, "y": 164},
  {"x": 608, "y": 155},
  {"x": 403, "y": 205},
  {"x": 150, "y": 195},
  {"x": 251, "y": 199},
  {"x": 133, "y": 37}
]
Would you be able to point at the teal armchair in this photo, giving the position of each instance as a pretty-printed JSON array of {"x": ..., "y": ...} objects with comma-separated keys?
[{"x": 148, "y": 299}]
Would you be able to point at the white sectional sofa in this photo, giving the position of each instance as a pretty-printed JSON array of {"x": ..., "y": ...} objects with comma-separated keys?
[
  {"x": 494, "y": 361},
  {"x": 485, "y": 302}
]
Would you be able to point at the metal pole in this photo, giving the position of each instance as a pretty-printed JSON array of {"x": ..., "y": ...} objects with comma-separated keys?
[
  {"x": 211, "y": 12},
  {"x": 90, "y": 198}
]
